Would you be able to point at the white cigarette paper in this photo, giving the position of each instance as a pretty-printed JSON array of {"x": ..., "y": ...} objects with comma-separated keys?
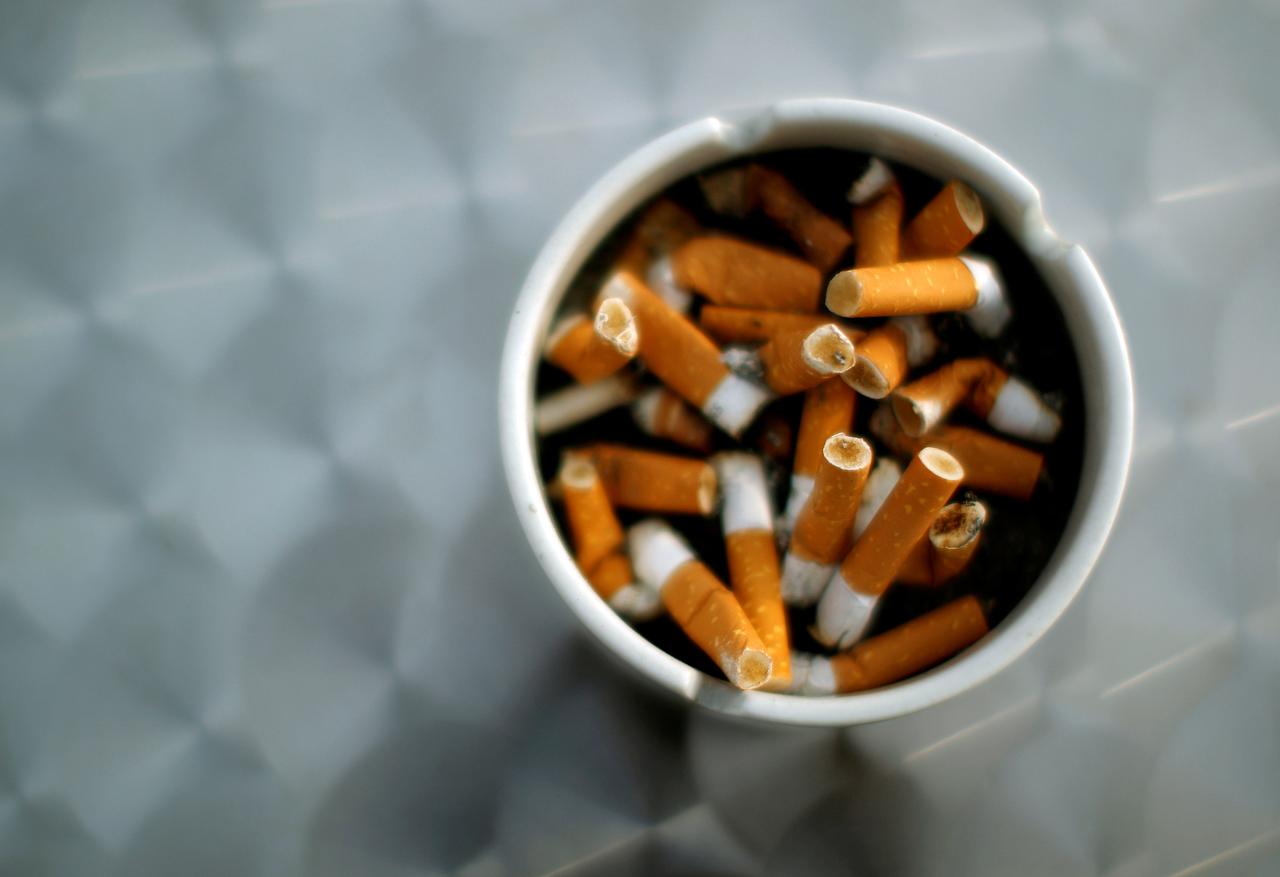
[
  {"x": 843, "y": 614},
  {"x": 874, "y": 180},
  {"x": 811, "y": 675},
  {"x": 580, "y": 402},
  {"x": 661, "y": 278},
  {"x": 880, "y": 483},
  {"x": 637, "y": 602},
  {"x": 747, "y": 505},
  {"x": 1020, "y": 411},
  {"x": 990, "y": 313}
]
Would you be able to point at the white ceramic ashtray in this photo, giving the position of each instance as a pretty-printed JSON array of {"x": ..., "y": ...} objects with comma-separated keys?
[{"x": 988, "y": 404}]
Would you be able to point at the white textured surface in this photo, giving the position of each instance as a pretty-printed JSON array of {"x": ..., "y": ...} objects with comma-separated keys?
[
  {"x": 263, "y": 606},
  {"x": 745, "y": 500}
]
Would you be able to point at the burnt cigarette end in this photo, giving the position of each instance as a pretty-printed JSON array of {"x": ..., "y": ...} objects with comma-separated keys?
[
  {"x": 616, "y": 324},
  {"x": 958, "y": 524}
]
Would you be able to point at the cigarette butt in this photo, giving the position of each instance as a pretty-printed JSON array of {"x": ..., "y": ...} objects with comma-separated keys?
[
  {"x": 597, "y": 537},
  {"x": 612, "y": 580},
  {"x": 740, "y": 191},
  {"x": 991, "y": 464},
  {"x": 577, "y": 403},
  {"x": 659, "y": 230},
  {"x": 1008, "y": 404},
  {"x": 947, "y": 548},
  {"x": 654, "y": 482},
  {"x": 953, "y": 538},
  {"x": 991, "y": 312},
  {"x": 850, "y": 599},
  {"x": 686, "y": 360},
  {"x": 811, "y": 675},
  {"x": 753, "y": 555},
  {"x": 637, "y": 602},
  {"x": 871, "y": 183},
  {"x": 821, "y": 536},
  {"x": 926, "y": 402},
  {"x": 662, "y": 414},
  {"x": 697, "y": 601},
  {"x": 877, "y": 226},
  {"x": 727, "y": 192},
  {"x": 730, "y": 325},
  {"x": 822, "y": 239},
  {"x": 885, "y": 355},
  {"x": 593, "y": 525},
  {"x": 946, "y": 225},
  {"x": 661, "y": 278},
  {"x": 880, "y": 483},
  {"x": 590, "y": 349},
  {"x": 904, "y": 288},
  {"x": 917, "y": 645},
  {"x": 731, "y": 271},
  {"x": 828, "y": 409},
  {"x": 662, "y": 227},
  {"x": 1015, "y": 408},
  {"x": 797, "y": 360}
]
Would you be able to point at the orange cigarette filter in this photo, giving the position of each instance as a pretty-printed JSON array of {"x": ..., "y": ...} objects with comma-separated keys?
[
  {"x": 886, "y": 354},
  {"x": 822, "y": 532},
  {"x": 684, "y": 359},
  {"x": 592, "y": 349},
  {"x": 946, "y": 225},
  {"x": 650, "y": 481},
  {"x": 849, "y": 601},
  {"x": 917, "y": 645},
  {"x": 741, "y": 191},
  {"x": 910, "y": 508},
  {"x": 828, "y": 409},
  {"x": 991, "y": 464},
  {"x": 611, "y": 575},
  {"x": 904, "y": 288},
  {"x": 697, "y": 601},
  {"x": 947, "y": 548},
  {"x": 593, "y": 526},
  {"x": 731, "y": 325},
  {"x": 752, "y": 553},
  {"x": 799, "y": 359},
  {"x": 822, "y": 239},
  {"x": 1007, "y": 403},
  {"x": 926, "y": 402},
  {"x": 731, "y": 271},
  {"x": 878, "y": 227},
  {"x": 662, "y": 414},
  {"x": 661, "y": 228},
  {"x": 821, "y": 536}
]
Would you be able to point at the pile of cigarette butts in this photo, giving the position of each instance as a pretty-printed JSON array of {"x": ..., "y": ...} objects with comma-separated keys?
[{"x": 853, "y": 525}]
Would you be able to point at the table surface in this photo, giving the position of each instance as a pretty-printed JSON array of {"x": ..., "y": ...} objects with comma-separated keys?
[{"x": 264, "y": 607}]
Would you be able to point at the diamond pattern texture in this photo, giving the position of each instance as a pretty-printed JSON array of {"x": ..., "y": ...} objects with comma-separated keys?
[{"x": 264, "y": 608}]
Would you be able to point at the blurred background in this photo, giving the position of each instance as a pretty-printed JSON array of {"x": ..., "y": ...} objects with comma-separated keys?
[{"x": 264, "y": 607}]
